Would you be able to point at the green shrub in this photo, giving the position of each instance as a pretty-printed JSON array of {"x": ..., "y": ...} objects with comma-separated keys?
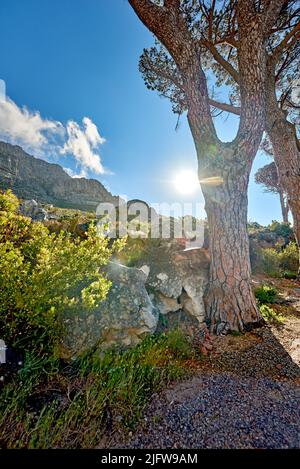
[
  {"x": 276, "y": 262},
  {"x": 270, "y": 262},
  {"x": 96, "y": 393},
  {"x": 270, "y": 315},
  {"x": 289, "y": 275},
  {"x": 289, "y": 258},
  {"x": 133, "y": 251},
  {"x": 265, "y": 294},
  {"x": 254, "y": 227},
  {"x": 136, "y": 249},
  {"x": 281, "y": 229},
  {"x": 38, "y": 274}
]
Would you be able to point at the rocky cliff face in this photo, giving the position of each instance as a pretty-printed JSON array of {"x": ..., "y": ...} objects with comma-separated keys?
[{"x": 32, "y": 178}]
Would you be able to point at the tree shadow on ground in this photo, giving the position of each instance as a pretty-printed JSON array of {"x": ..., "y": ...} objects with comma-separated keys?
[{"x": 256, "y": 354}]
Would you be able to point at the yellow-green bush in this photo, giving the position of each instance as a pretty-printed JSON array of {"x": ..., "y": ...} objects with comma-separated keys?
[
  {"x": 39, "y": 271},
  {"x": 276, "y": 262},
  {"x": 289, "y": 258},
  {"x": 270, "y": 315},
  {"x": 270, "y": 262}
]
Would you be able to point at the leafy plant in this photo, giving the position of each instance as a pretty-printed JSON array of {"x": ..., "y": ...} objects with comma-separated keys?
[
  {"x": 275, "y": 261},
  {"x": 270, "y": 315},
  {"x": 290, "y": 275},
  {"x": 254, "y": 227},
  {"x": 39, "y": 272},
  {"x": 281, "y": 229},
  {"x": 270, "y": 262},
  {"x": 289, "y": 258},
  {"x": 265, "y": 294}
]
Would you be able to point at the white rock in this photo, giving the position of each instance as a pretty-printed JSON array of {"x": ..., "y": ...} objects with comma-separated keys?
[
  {"x": 162, "y": 276},
  {"x": 146, "y": 270}
]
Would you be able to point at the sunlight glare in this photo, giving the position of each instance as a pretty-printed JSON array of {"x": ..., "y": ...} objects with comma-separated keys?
[{"x": 186, "y": 182}]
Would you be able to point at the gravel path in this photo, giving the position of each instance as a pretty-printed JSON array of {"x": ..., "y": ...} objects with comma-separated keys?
[
  {"x": 245, "y": 394},
  {"x": 222, "y": 411}
]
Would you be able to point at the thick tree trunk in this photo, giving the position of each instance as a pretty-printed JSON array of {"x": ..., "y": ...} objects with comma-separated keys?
[
  {"x": 286, "y": 151},
  {"x": 287, "y": 159},
  {"x": 230, "y": 303},
  {"x": 229, "y": 300}
]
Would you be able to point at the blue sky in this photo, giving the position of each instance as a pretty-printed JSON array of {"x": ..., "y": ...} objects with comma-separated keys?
[{"x": 70, "y": 59}]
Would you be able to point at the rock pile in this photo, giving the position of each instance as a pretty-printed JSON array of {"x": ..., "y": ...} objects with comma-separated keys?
[{"x": 167, "y": 281}]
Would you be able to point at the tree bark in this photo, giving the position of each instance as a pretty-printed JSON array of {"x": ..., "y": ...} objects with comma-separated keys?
[
  {"x": 230, "y": 303},
  {"x": 229, "y": 299},
  {"x": 286, "y": 150},
  {"x": 287, "y": 159}
]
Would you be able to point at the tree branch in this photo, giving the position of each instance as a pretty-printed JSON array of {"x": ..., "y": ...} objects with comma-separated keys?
[
  {"x": 220, "y": 59},
  {"x": 153, "y": 16},
  {"x": 251, "y": 61},
  {"x": 172, "y": 30},
  {"x": 170, "y": 4},
  {"x": 293, "y": 35},
  {"x": 159, "y": 71},
  {"x": 229, "y": 40},
  {"x": 225, "y": 107},
  {"x": 166, "y": 75},
  {"x": 273, "y": 8}
]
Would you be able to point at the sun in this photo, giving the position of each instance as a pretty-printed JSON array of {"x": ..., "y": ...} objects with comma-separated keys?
[{"x": 186, "y": 182}]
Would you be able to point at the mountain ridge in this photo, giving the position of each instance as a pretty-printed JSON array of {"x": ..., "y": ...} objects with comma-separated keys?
[{"x": 33, "y": 178}]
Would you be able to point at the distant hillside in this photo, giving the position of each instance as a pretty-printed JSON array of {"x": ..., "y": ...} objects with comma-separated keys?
[{"x": 32, "y": 178}]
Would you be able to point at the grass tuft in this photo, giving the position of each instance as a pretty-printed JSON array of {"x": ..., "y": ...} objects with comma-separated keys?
[{"x": 48, "y": 406}]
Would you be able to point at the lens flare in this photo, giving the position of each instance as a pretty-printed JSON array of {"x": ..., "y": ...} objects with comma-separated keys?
[
  {"x": 212, "y": 181},
  {"x": 186, "y": 182}
]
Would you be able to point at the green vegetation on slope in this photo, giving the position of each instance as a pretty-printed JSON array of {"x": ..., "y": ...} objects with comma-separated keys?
[
  {"x": 39, "y": 272},
  {"x": 50, "y": 403},
  {"x": 48, "y": 406}
]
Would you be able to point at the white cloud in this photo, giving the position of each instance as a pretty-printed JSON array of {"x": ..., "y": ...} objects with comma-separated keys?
[
  {"x": 91, "y": 132},
  {"x": 83, "y": 143},
  {"x": 48, "y": 137},
  {"x": 22, "y": 127}
]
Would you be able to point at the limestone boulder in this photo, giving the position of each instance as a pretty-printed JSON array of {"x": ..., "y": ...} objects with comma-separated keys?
[
  {"x": 176, "y": 277},
  {"x": 30, "y": 208},
  {"x": 123, "y": 319}
]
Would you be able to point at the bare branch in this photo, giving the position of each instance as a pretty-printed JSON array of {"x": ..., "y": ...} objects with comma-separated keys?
[
  {"x": 225, "y": 107},
  {"x": 220, "y": 59},
  {"x": 288, "y": 41}
]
